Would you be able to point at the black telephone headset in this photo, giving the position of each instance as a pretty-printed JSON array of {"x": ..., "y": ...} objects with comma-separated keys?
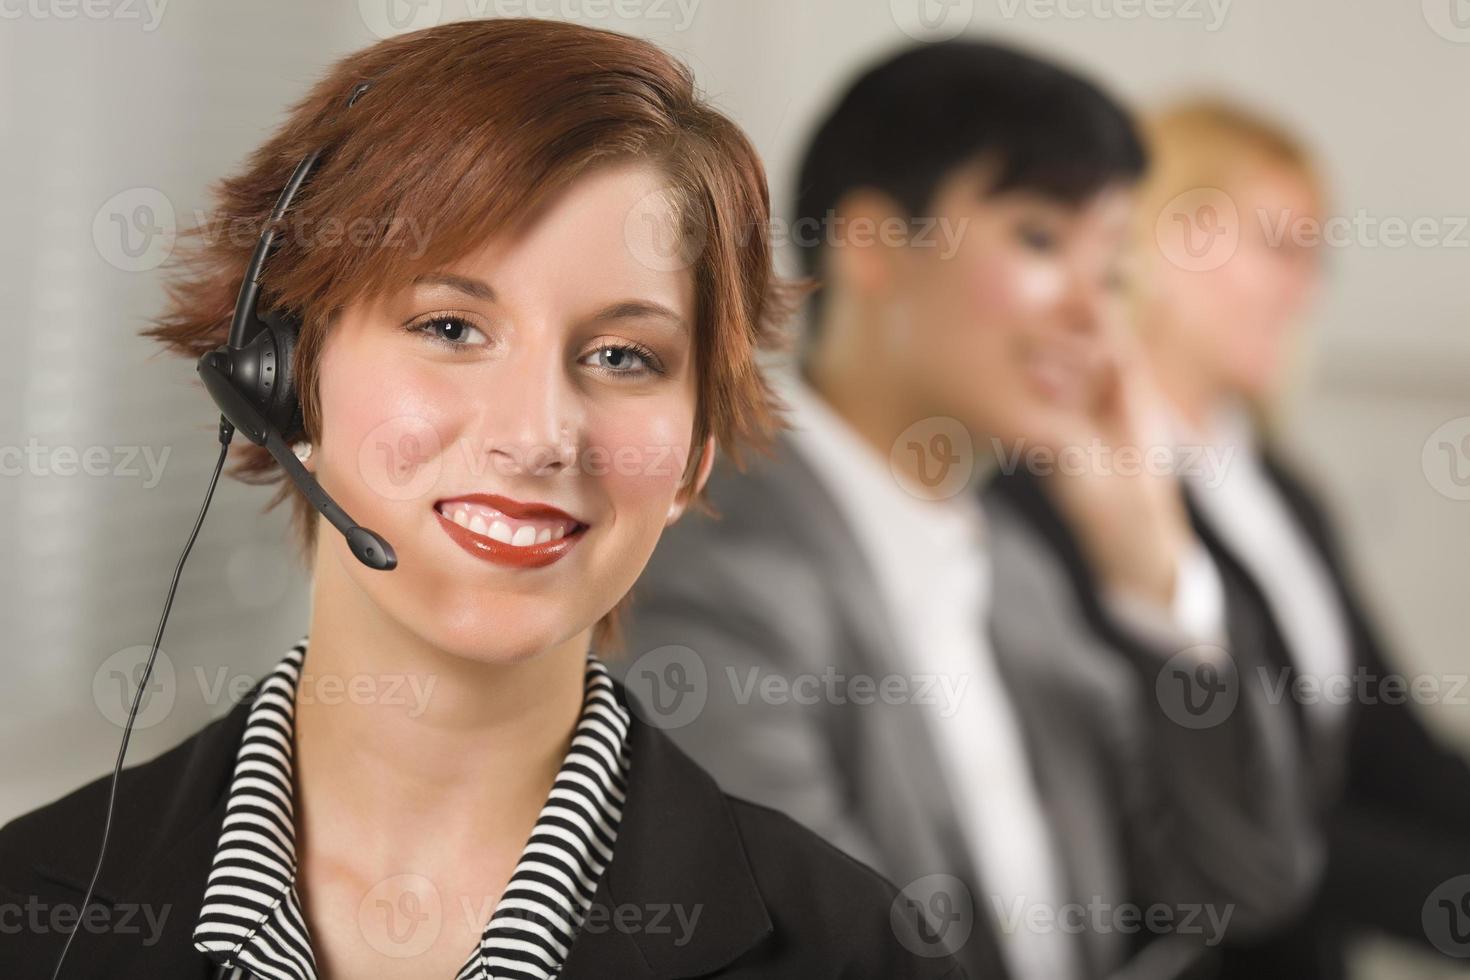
[{"x": 250, "y": 379}]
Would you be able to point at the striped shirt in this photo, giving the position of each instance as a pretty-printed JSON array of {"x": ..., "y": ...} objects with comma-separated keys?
[{"x": 251, "y": 923}]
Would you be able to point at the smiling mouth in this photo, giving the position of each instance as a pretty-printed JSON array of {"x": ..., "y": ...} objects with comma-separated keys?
[{"x": 505, "y": 532}]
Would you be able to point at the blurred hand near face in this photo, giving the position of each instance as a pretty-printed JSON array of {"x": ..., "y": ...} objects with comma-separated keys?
[{"x": 1127, "y": 508}]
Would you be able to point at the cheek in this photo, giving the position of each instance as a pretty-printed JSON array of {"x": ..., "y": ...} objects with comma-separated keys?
[
  {"x": 1007, "y": 297},
  {"x": 1004, "y": 285},
  {"x": 963, "y": 304},
  {"x": 637, "y": 451},
  {"x": 386, "y": 439}
]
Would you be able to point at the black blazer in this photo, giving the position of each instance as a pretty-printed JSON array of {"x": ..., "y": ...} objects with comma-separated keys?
[
  {"x": 1397, "y": 820},
  {"x": 774, "y": 899},
  {"x": 1398, "y": 825}
]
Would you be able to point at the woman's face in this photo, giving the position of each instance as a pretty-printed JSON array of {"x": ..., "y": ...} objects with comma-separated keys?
[
  {"x": 1229, "y": 327},
  {"x": 1014, "y": 327},
  {"x": 517, "y": 425}
]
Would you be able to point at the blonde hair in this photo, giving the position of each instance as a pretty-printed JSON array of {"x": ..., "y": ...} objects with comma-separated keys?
[
  {"x": 1209, "y": 142},
  {"x": 1202, "y": 143}
]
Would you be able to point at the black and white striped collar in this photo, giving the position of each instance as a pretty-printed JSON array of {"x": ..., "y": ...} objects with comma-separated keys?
[{"x": 251, "y": 920}]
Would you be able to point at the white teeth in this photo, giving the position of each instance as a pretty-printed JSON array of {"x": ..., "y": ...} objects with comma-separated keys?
[{"x": 482, "y": 521}]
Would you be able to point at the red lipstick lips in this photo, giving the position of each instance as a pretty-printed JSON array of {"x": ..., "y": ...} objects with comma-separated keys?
[{"x": 508, "y": 532}]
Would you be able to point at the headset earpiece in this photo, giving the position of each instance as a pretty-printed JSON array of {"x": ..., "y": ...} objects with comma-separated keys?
[
  {"x": 261, "y": 375},
  {"x": 250, "y": 378}
]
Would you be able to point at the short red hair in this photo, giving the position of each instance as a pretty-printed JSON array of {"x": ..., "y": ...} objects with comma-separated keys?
[{"x": 467, "y": 130}]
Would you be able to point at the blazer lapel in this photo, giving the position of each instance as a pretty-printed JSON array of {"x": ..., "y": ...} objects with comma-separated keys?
[
  {"x": 679, "y": 898},
  {"x": 789, "y": 482},
  {"x": 154, "y": 882}
]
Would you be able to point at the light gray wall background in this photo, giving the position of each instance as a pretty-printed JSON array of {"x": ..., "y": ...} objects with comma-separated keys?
[{"x": 116, "y": 112}]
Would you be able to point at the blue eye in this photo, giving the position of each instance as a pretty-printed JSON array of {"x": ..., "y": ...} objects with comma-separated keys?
[
  {"x": 628, "y": 360},
  {"x": 450, "y": 331}
]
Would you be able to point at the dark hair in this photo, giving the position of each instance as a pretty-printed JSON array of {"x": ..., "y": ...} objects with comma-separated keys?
[{"x": 908, "y": 122}]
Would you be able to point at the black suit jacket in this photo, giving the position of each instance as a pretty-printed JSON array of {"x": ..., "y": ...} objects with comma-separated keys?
[
  {"x": 773, "y": 899},
  {"x": 1397, "y": 822},
  {"x": 1396, "y": 811}
]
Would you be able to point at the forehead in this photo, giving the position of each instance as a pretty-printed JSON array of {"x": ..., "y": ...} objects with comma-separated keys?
[{"x": 616, "y": 228}]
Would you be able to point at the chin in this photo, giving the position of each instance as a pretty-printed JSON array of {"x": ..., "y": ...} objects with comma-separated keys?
[
  {"x": 1257, "y": 380},
  {"x": 495, "y": 629}
]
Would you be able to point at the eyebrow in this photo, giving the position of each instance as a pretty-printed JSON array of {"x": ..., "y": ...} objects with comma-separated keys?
[
  {"x": 626, "y": 310},
  {"x": 632, "y": 309},
  {"x": 466, "y": 285}
]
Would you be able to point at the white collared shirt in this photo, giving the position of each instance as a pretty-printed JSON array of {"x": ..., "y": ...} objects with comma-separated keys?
[
  {"x": 933, "y": 569},
  {"x": 1247, "y": 510}
]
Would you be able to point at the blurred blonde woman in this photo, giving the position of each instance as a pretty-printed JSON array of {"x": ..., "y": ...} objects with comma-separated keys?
[{"x": 1227, "y": 223}]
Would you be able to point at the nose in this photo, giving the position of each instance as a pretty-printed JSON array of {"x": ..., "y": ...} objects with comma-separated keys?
[
  {"x": 1087, "y": 302},
  {"x": 531, "y": 421}
]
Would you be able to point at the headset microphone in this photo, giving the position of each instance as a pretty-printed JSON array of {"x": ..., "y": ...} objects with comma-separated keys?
[{"x": 250, "y": 380}]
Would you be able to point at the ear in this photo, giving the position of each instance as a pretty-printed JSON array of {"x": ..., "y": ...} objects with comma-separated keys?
[
  {"x": 692, "y": 489},
  {"x": 861, "y": 250}
]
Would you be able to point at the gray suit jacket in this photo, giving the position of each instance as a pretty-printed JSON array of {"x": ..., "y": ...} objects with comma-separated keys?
[{"x": 1144, "y": 810}]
